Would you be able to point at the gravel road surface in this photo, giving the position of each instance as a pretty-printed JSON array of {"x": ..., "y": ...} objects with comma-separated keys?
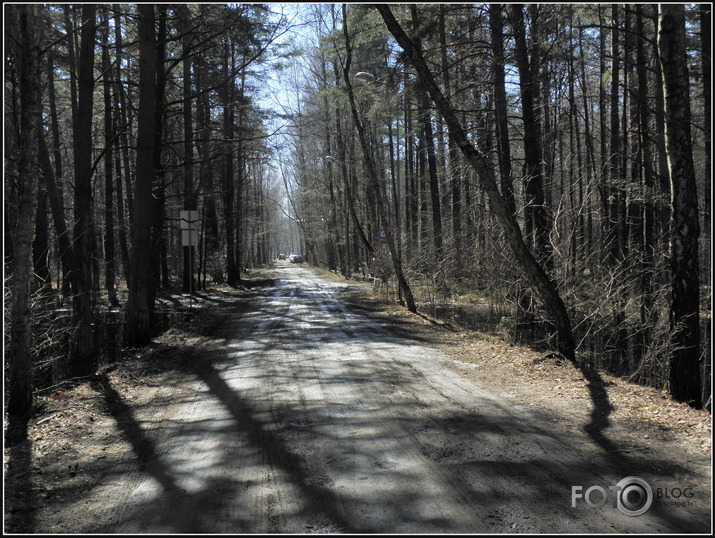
[{"x": 314, "y": 418}]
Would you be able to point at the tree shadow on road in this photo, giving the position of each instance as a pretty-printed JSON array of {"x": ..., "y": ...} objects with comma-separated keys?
[
  {"x": 601, "y": 404},
  {"x": 276, "y": 452},
  {"x": 601, "y": 411},
  {"x": 196, "y": 512},
  {"x": 177, "y": 510},
  {"x": 19, "y": 495}
]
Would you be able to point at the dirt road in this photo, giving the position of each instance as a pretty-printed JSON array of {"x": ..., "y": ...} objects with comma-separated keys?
[{"x": 314, "y": 418}]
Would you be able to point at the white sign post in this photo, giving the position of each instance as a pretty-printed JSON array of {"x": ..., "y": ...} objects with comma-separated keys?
[{"x": 189, "y": 225}]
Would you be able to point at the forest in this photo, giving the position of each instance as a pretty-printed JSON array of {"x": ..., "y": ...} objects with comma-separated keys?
[{"x": 537, "y": 170}]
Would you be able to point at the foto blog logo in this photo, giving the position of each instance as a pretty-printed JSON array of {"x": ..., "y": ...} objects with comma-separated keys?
[{"x": 632, "y": 495}]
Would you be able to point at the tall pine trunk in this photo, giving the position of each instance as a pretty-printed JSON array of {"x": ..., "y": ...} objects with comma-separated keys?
[
  {"x": 648, "y": 174},
  {"x": 109, "y": 257},
  {"x": 537, "y": 222},
  {"x": 56, "y": 177},
  {"x": 83, "y": 354},
  {"x": 159, "y": 267},
  {"x": 19, "y": 403},
  {"x": 454, "y": 174},
  {"x": 190, "y": 201},
  {"x": 431, "y": 161},
  {"x": 41, "y": 245},
  {"x": 500, "y": 106},
  {"x": 229, "y": 194},
  {"x": 685, "y": 226},
  {"x": 122, "y": 146},
  {"x": 137, "y": 329}
]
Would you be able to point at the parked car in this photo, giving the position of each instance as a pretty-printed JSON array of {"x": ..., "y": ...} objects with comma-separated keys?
[
  {"x": 296, "y": 258},
  {"x": 281, "y": 256}
]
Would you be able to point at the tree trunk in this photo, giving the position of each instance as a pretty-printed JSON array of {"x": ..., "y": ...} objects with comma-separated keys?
[
  {"x": 411, "y": 194},
  {"x": 634, "y": 221},
  {"x": 500, "y": 106},
  {"x": 591, "y": 169},
  {"x": 534, "y": 271},
  {"x": 159, "y": 270},
  {"x": 110, "y": 261},
  {"x": 535, "y": 211},
  {"x": 334, "y": 236},
  {"x": 455, "y": 177},
  {"x": 139, "y": 312},
  {"x": 663, "y": 175},
  {"x": 122, "y": 149},
  {"x": 648, "y": 175},
  {"x": 685, "y": 226},
  {"x": 56, "y": 206},
  {"x": 429, "y": 147},
  {"x": 615, "y": 188},
  {"x": 206, "y": 171},
  {"x": 229, "y": 195},
  {"x": 71, "y": 57},
  {"x": 84, "y": 356},
  {"x": 19, "y": 403},
  {"x": 56, "y": 176},
  {"x": 190, "y": 202},
  {"x": 603, "y": 188},
  {"x": 706, "y": 53},
  {"x": 241, "y": 210}
]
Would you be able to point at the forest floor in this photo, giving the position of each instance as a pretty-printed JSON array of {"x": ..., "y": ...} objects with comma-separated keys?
[{"x": 89, "y": 438}]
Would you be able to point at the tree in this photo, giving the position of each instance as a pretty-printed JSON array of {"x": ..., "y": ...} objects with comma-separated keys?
[
  {"x": 57, "y": 208},
  {"x": 685, "y": 226},
  {"x": 646, "y": 167},
  {"x": 229, "y": 189},
  {"x": 537, "y": 222},
  {"x": 19, "y": 406},
  {"x": 615, "y": 193},
  {"x": 84, "y": 352},
  {"x": 534, "y": 271},
  {"x": 110, "y": 261},
  {"x": 122, "y": 167},
  {"x": 500, "y": 106},
  {"x": 427, "y": 139},
  {"x": 41, "y": 246},
  {"x": 190, "y": 200},
  {"x": 455, "y": 178},
  {"x": 372, "y": 175},
  {"x": 140, "y": 307}
]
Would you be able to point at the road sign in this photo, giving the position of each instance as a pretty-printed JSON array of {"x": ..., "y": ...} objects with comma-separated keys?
[
  {"x": 189, "y": 238},
  {"x": 188, "y": 219},
  {"x": 189, "y": 223}
]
